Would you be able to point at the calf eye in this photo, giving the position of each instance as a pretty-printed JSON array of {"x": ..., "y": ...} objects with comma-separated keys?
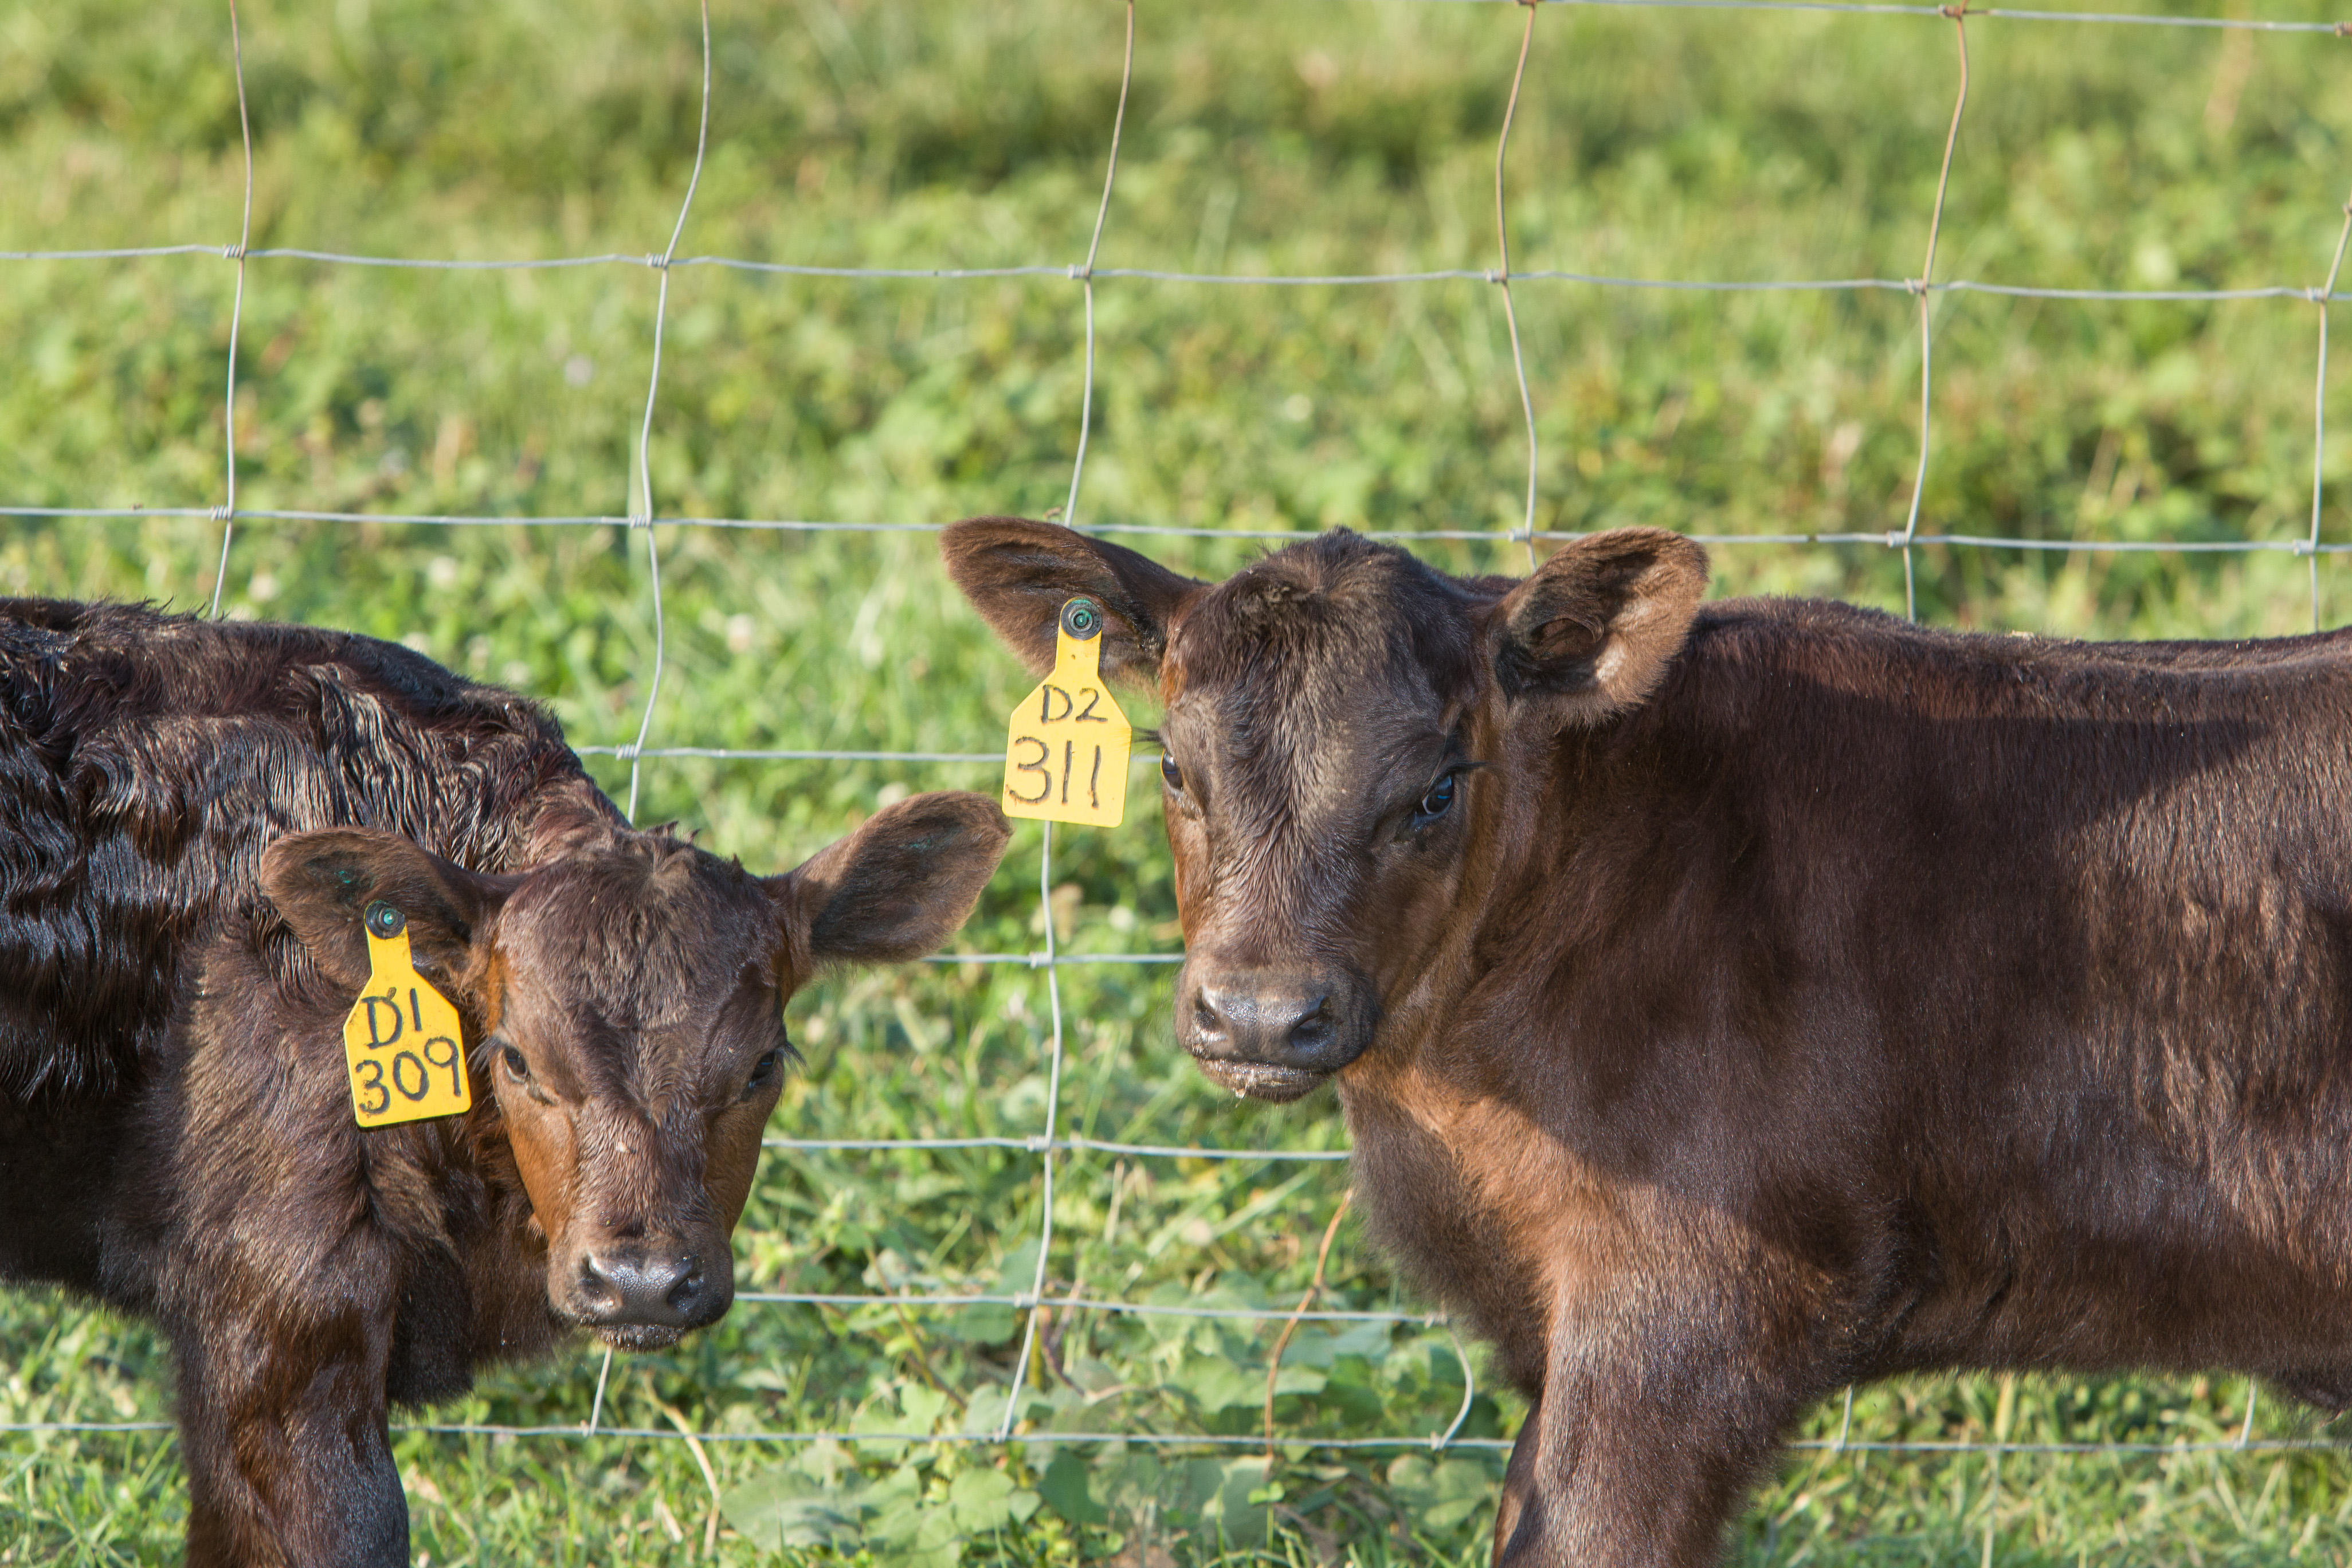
[
  {"x": 1169, "y": 771},
  {"x": 516, "y": 1065},
  {"x": 1436, "y": 803}
]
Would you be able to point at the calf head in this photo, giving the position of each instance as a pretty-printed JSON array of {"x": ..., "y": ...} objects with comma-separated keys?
[
  {"x": 1339, "y": 716},
  {"x": 629, "y": 991}
]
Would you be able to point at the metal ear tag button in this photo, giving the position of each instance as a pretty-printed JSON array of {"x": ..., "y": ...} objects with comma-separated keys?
[
  {"x": 1065, "y": 747},
  {"x": 401, "y": 1042}
]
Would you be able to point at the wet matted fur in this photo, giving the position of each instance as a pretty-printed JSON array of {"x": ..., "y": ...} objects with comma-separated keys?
[{"x": 193, "y": 818}]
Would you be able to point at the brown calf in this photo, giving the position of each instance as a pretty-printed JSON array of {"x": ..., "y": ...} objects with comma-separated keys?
[
  {"x": 194, "y": 820},
  {"x": 1730, "y": 1002}
]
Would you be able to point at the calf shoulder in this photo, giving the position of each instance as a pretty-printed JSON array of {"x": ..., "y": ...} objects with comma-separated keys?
[{"x": 250, "y": 1195}]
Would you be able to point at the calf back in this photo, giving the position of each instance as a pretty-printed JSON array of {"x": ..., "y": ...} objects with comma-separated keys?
[
  {"x": 145, "y": 763},
  {"x": 2002, "y": 987}
]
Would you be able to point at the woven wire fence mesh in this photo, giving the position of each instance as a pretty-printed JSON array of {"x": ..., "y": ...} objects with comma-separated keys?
[{"x": 1052, "y": 1146}]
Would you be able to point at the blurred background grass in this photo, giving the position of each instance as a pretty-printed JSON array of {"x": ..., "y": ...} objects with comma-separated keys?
[{"x": 1348, "y": 136}]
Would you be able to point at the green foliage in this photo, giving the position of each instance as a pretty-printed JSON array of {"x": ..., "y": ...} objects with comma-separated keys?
[
  {"x": 925, "y": 1512},
  {"x": 1350, "y": 136}
]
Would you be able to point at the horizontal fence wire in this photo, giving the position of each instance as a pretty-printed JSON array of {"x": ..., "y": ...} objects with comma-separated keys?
[
  {"x": 1051, "y": 1143},
  {"x": 1892, "y": 539},
  {"x": 1048, "y": 1437},
  {"x": 1211, "y": 280},
  {"x": 1064, "y": 1145}
]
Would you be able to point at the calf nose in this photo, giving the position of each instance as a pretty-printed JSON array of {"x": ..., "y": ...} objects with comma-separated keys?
[
  {"x": 653, "y": 1288},
  {"x": 1285, "y": 1026}
]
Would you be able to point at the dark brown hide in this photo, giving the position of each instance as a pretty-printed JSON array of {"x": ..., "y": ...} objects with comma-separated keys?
[
  {"x": 194, "y": 819},
  {"x": 1779, "y": 996}
]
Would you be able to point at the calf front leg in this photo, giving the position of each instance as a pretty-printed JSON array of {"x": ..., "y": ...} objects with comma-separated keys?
[
  {"x": 1651, "y": 1423},
  {"x": 267, "y": 1221},
  {"x": 1518, "y": 1480},
  {"x": 282, "y": 1422}
]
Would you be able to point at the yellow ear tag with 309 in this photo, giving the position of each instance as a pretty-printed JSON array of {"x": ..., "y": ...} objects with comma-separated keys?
[
  {"x": 402, "y": 1043},
  {"x": 1065, "y": 747}
]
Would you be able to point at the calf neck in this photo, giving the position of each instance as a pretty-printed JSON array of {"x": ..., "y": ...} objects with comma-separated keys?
[
  {"x": 1733, "y": 1002},
  {"x": 200, "y": 824}
]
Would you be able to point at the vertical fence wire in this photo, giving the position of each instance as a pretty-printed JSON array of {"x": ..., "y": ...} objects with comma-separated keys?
[
  {"x": 1085, "y": 273},
  {"x": 1923, "y": 288},
  {"x": 1032, "y": 1300},
  {"x": 2320, "y": 297},
  {"x": 1502, "y": 276},
  {"x": 235, "y": 314},
  {"x": 1035, "y": 1297},
  {"x": 642, "y": 516}
]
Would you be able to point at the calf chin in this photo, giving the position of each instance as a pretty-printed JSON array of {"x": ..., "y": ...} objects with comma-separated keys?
[
  {"x": 1256, "y": 1080},
  {"x": 639, "y": 1336}
]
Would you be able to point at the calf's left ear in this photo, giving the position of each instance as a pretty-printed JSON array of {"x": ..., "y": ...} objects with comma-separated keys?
[
  {"x": 1598, "y": 624},
  {"x": 323, "y": 882},
  {"x": 898, "y": 887}
]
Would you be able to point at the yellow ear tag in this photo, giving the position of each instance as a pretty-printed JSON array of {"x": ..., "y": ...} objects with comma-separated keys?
[
  {"x": 1065, "y": 747},
  {"x": 402, "y": 1043}
]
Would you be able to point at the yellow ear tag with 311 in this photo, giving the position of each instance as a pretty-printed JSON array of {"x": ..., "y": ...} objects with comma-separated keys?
[
  {"x": 406, "y": 1056},
  {"x": 1065, "y": 747}
]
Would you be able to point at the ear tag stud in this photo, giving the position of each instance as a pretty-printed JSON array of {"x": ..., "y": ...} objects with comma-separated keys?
[
  {"x": 402, "y": 1043},
  {"x": 1065, "y": 747}
]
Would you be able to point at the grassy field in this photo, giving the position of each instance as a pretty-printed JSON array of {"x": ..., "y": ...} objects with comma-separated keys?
[{"x": 1348, "y": 136}]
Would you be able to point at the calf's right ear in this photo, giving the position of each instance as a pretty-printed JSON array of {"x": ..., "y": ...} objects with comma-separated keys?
[
  {"x": 1018, "y": 574},
  {"x": 1598, "y": 624},
  {"x": 323, "y": 882}
]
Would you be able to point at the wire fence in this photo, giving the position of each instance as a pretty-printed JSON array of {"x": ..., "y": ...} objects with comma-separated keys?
[{"x": 1050, "y": 1146}]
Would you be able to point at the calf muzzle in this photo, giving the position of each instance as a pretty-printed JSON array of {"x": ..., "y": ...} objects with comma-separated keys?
[
  {"x": 644, "y": 1297},
  {"x": 1272, "y": 1034}
]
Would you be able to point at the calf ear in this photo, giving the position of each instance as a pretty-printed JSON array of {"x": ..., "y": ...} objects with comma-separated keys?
[
  {"x": 1018, "y": 574},
  {"x": 323, "y": 882},
  {"x": 898, "y": 887},
  {"x": 1600, "y": 621}
]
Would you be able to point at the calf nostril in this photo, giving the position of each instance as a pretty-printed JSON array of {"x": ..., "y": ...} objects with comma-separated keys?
[
  {"x": 1207, "y": 1020},
  {"x": 597, "y": 1287},
  {"x": 688, "y": 1290},
  {"x": 1316, "y": 1025}
]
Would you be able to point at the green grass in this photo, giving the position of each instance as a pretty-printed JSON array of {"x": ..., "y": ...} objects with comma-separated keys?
[{"x": 1281, "y": 138}]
